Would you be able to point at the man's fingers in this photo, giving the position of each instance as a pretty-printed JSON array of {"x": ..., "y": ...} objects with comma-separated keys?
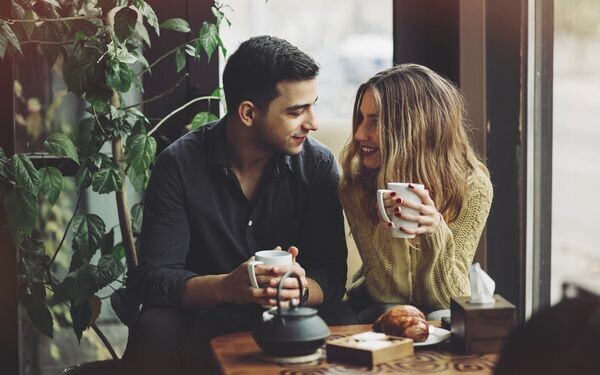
[
  {"x": 289, "y": 283},
  {"x": 294, "y": 251}
]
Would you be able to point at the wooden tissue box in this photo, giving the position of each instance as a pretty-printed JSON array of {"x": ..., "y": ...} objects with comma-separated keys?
[
  {"x": 481, "y": 328},
  {"x": 355, "y": 350}
]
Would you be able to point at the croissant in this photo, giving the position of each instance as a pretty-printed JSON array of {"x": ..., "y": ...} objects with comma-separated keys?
[{"x": 404, "y": 321}]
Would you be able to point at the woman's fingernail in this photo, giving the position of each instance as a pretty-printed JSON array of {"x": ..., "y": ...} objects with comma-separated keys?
[
  {"x": 410, "y": 186},
  {"x": 397, "y": 209},
  {"x": 402, "y": 229},
  {"x": 398, "y": 200},
  {"x": 393, "y": 194},
  {"x": 390, "y": 224},
  {"x": 397, "y": 215}
]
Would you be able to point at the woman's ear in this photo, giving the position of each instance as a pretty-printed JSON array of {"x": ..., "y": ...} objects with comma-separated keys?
[{"x": 247, "y": 112}]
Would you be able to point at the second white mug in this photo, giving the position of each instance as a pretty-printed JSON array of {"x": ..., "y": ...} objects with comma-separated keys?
[{"x": 402, "y": 191}]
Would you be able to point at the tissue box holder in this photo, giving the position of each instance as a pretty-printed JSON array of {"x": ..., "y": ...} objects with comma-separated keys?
[
  {"x": 347, "y": 350},
  {"x": 481, "y": 328}
]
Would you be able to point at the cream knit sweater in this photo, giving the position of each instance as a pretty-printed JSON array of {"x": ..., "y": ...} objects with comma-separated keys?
[{"x": 428, "y": 269}]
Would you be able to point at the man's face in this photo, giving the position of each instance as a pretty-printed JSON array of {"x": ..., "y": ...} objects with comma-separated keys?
[{"x": 290, "y": 117}]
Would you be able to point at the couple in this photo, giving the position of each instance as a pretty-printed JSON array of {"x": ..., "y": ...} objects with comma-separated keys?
[{"x": 254, "y": 180}]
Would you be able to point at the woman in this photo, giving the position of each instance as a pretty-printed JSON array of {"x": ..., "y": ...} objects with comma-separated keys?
[{"x": 409, "y": 126}]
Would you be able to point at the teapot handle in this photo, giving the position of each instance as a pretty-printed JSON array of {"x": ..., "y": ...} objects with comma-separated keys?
[{"x": 285, "y": 276}]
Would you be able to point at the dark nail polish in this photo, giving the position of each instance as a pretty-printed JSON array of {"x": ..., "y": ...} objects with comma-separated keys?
[
  {"x": 410, "y": 186},
  {"x": 397, "y": 215},
  {"x": 397, "y": 209},
  {"x": 393, "y": 194},
  {"x": 402, "y": 229},
  {"x": 398, "y": 200},
  {"x": 389, "y": 225}
]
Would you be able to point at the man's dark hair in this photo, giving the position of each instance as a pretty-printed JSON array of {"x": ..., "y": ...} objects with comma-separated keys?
[{"x": 253, "y": 71}]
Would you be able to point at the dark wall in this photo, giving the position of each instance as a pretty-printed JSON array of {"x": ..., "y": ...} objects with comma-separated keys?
[
  {"x": 203, "y": 77},
  {"x": 427, "y": 32},
  {"x": 506, "y": 147}
]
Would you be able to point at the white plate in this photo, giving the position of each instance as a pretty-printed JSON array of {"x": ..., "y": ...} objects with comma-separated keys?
[{"x": 436, "y": 335}]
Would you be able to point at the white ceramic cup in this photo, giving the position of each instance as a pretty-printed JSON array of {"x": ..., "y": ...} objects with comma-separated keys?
[
  {"x": 402, "y": 191},
  {"x": 269, "y": 258}
]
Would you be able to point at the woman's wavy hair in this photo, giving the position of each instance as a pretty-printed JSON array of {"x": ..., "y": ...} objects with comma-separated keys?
[{"x": 423, "y": 139}]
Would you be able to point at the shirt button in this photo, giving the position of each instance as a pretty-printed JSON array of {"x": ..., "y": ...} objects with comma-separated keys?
[{"x": 250, "y": 223}]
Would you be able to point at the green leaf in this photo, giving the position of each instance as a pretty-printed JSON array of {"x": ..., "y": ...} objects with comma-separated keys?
[
  {"x": 50, "y": 32},
  {"x": 125, "y": 20},
  {"x": 9, "y": 36},
  {"x": 89, "y": 139},
  {"x": 180, "y": 60},
  {"x": 58, "y": 144},
  {"x": 142, "y": 152},
  {"x": 106, "y": 5},
  {"x": 26, "y": 176},
  {"x": 119, "y": 76},
  {"x": 209, "y": 38},
  {"x": 138, "y": 180},
  {"x": 108, "y": 242},
  {"x": 89, "y": 230},
  {"x": 176, "y": 24},
  {"x": 40, "y": 317},
  {"x": 46, "y": 8},
  {"x": 82, "y": 73},
  {"x": 86, "y": 27},
  {"x": 4, "y": 165},
  {"x": 21, "y": 208},
  {"x": 64, "y": 291},
  {"x": 108, "y": 270},
  {"x": 126, "y": 305},
  {"x": 148, "y": 12},
  {"x": 81, "y": 315},
  {"x": 83, "y": 178},
  {"x": 202, "y": 119},
  {"x": 137, "y": 212},
  {"x": 107, "y": 180},
  {"x": 51, "y": 184},
  {"x": 119, "y": 251}
]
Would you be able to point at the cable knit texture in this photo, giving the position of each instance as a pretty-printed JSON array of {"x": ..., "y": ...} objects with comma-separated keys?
[{"x": 429, "y": 269}]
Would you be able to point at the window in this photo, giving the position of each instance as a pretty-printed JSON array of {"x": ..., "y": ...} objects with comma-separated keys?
[{"x": 576, "y": 155}]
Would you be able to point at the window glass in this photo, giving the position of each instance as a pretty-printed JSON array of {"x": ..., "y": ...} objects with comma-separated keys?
[
  {"x": 350, "y": 39},
  {"x": 576, "y": 133}
]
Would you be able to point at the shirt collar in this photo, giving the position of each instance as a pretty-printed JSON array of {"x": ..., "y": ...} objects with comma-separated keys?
[{"x": 218, "y": 152}]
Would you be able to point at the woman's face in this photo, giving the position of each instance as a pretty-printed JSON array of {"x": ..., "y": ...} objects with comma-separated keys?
[{"x": 366, "y": 136}]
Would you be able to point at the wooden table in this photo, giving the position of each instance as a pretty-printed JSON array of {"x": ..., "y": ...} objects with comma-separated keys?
[{"x": 238, "y": 353}]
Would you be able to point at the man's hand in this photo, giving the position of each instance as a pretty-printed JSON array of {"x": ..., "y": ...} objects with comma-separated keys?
[
  {"x": 235, "y": 287},
  {"x": 289, "y": 290}
]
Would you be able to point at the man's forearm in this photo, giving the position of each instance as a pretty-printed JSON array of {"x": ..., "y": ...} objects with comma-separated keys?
[{"x": 202, "y": 291}]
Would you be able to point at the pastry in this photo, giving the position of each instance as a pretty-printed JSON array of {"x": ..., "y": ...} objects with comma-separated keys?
[{"x": 403, "y": 321}]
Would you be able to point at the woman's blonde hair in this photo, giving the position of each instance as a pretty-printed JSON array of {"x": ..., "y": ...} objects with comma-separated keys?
[{"x": 423, "y": 139}]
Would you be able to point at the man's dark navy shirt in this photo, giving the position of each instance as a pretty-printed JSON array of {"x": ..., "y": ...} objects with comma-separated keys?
[{"x": 197, "y": 220}]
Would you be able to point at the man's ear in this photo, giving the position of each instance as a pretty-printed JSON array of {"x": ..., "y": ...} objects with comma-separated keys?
[{"x": 247, "y": 112}]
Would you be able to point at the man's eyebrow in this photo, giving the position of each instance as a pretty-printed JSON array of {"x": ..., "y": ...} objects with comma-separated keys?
[{"x": 301, "y": 106}]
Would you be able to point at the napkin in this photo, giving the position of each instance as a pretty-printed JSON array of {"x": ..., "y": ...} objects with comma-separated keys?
[{"x": 482, "y": 285}]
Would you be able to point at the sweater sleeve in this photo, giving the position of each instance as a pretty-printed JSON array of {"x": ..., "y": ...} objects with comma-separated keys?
[{"x": 448, "y": 252}]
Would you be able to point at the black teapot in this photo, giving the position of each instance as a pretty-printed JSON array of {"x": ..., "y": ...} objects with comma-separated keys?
[{"x": 294, "y": 331}]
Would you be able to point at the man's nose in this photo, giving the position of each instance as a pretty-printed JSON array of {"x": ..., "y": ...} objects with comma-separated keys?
[{"x": 311, "y": 123}]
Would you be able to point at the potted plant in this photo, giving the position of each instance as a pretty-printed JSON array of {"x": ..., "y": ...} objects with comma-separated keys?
[{"x": 101, "y": 42}]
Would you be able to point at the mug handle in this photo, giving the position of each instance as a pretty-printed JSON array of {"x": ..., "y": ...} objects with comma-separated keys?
[
  {"x": 381, "y": 206},
  {"x": 252, "y": 274}
]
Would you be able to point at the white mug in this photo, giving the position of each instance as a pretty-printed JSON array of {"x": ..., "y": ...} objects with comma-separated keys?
[
  {"x": 269, "y": 258},
  {"x": 402, "y": 191}
]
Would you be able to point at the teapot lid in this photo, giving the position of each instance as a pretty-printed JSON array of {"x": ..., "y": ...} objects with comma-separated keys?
[{"x": 297, "y": 311}]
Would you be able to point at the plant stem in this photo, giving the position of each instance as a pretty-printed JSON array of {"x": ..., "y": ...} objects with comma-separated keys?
[
  {"x": 62, "y": 19},
  {"x": 122, "y": 206},
  {"x": 180, "y": 109},
  {"x": 100, "y": 334},
  {"x": 165, "y": 55},
  {"x": 31, "y": 41},
  {"x": 62, "y": 240},
  {"x": 156, "y": 97}
]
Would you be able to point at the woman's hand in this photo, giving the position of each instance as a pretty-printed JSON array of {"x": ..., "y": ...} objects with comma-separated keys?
[{"x": 429, "y": 218}]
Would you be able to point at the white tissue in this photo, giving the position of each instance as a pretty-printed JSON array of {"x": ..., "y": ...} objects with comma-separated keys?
[{"x": 482, "y": 285}]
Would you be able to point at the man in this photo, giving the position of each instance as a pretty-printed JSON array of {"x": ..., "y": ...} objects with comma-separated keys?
[{"x": 251, "y": 181}]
